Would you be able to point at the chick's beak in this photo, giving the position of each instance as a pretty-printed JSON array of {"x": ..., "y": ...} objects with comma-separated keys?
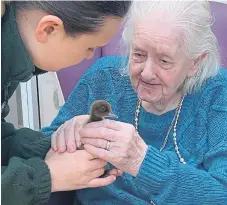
[{"x": 111, "y": 114}]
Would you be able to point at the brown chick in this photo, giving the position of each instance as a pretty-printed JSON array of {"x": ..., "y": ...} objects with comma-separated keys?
[{"x": 99, "y": 110}]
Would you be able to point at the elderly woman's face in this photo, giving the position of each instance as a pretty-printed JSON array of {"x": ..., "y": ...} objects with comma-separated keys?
[{"x": 158, "y": 67}]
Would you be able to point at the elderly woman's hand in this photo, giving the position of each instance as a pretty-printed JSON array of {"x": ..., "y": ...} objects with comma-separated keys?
[
  {"x": 66, "y": 137},
  {"x": 115, "y": 142}
]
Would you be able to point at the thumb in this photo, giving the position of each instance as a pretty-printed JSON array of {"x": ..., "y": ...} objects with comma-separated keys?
[
  {"x": 79, "y": 122},
  {"x": 85, "y": 154},
  {"x": 98, "y": 182}
]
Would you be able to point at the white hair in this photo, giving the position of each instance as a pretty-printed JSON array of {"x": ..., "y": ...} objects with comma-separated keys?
[{"x": 195, "y": 21}]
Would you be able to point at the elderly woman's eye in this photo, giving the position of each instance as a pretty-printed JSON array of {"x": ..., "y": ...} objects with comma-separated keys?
[
  {"x": 166, "y": 64},
  {"x": 138, "y": 57},
  {"x": 164, "y": 61}
]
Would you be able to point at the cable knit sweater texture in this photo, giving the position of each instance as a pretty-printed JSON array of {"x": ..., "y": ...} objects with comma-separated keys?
[{"x": 162, "y": 179}]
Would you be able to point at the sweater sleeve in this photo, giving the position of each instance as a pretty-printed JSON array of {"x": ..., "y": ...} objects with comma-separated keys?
[
  {"x": 170, "y": 182},
  {"x": 76, "y": 104},
  {"x": 25, "y": 182}
]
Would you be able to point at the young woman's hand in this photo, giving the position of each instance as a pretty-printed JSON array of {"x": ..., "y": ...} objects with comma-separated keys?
[{"x": 77, "y": 170}]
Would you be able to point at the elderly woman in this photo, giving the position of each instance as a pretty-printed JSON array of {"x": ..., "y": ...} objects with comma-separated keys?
[{"x": 176, "y": 98}]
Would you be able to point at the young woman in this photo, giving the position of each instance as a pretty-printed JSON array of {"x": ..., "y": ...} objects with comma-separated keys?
[{"x": 44, "y": 36}]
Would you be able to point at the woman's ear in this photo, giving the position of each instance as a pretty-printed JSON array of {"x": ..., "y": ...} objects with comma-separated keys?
[
  {"x": 193, "y": 70},
  {"x": 48, "y": 25}
]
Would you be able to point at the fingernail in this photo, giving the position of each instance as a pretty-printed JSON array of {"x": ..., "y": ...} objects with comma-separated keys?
[
  {"x": 72, "y": 148},
  {"x": 119, "y": 172},
  {"x": 55, "y": 149},
  {"x": 62, "y": 149}
]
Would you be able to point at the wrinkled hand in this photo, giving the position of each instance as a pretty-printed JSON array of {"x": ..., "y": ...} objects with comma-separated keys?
[
  {"x": 66, "y": 137},
  {"x": 127, "y": 149},
  {"x": 78, "y": 170}
]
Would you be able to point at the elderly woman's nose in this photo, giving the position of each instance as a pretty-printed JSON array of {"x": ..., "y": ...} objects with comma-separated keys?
[{"x": 149, "y": 71}]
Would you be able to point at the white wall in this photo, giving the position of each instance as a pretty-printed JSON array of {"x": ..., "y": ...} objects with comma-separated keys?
[
  {"x": 50, "y": 97},
  {"x": 27, "y": 109}
]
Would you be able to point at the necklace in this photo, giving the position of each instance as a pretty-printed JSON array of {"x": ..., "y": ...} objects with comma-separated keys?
[{"x": 172, "y": 125}]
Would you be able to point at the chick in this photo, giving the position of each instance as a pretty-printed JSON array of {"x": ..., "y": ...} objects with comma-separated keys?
[{"x": 99, "y": 110}]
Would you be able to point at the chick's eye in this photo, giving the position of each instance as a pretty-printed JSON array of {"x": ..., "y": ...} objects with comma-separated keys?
[{"x": 103, "y": 108}]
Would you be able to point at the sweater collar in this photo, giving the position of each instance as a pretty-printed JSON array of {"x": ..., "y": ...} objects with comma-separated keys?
[{"x": 16, "y": 62}]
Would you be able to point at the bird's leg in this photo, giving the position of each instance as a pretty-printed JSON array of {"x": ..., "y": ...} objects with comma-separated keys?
[{"x": 81, "y": 147}]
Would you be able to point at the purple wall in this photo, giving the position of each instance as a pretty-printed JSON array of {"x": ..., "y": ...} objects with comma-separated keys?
[
  {"x": 219, "y": 12},
  {"x": 68, "y": 77}
]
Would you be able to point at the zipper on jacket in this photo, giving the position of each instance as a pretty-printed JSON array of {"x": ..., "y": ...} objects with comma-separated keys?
[{"x": 6, "y": 89}]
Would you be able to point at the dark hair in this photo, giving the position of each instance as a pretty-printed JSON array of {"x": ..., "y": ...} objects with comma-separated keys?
[{"x": 79, "y": 16}]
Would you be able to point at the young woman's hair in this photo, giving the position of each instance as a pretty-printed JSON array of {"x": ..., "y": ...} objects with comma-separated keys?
[{"x": 79, "y": 16}]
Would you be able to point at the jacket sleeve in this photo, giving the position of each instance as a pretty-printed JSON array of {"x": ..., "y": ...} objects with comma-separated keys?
[
  {"x": 24, "y": 143},
  {"x": 25, "y": 176},
  {"x": 25, "y": 182}
]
